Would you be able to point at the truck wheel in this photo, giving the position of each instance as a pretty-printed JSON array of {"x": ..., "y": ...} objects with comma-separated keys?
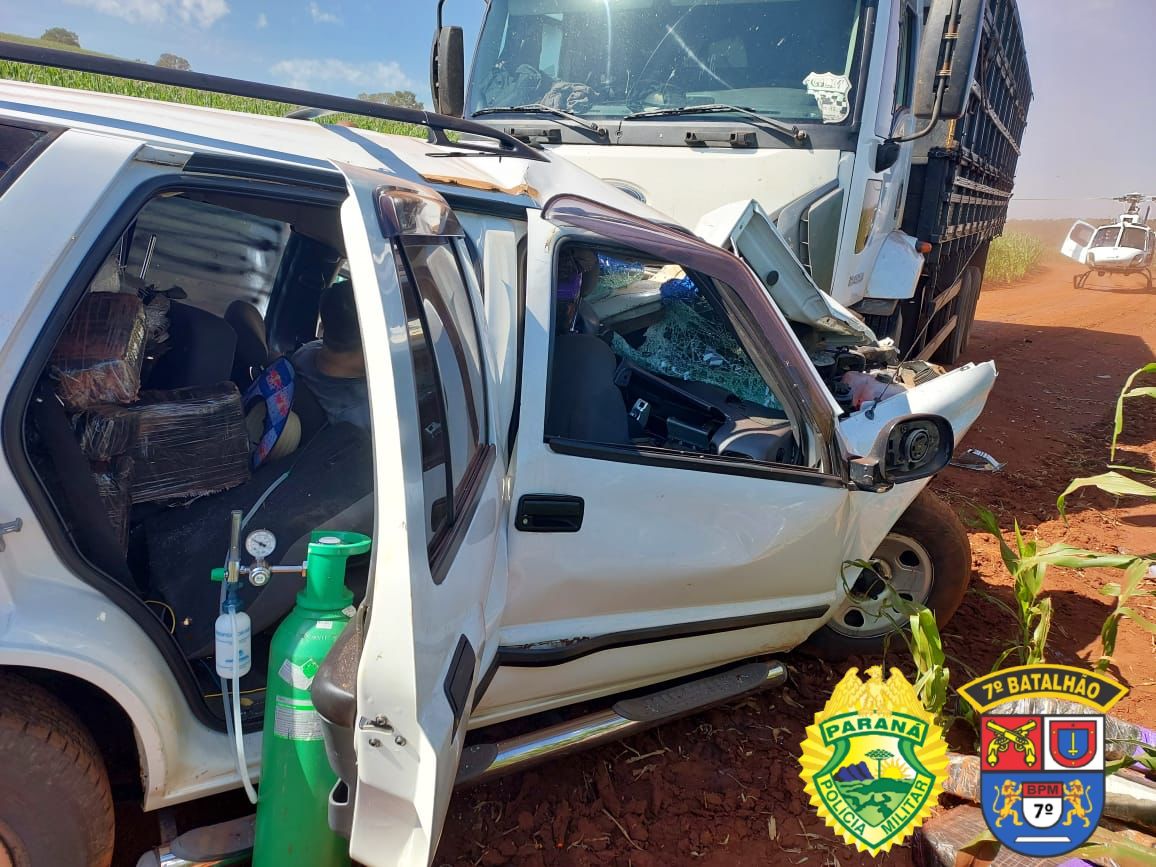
[
  {"x": 55, "y": 800},
  {"x": 965, "y": 304},
  {"x": 926, "y": 558}
]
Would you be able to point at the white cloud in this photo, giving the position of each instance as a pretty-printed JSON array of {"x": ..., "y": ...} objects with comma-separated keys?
[
  {"x": 317, "y": 74},
  {"x": 320, "y": 16},
  {"x": 262, "y": 21},
  {"x": 203, "y": 13}
]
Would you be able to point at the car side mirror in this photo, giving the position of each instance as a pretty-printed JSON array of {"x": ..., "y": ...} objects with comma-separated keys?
[
  {"x": 948, "y": 52},
  {"x": 447, "y": 77},
  {"x": 886, "y": 155},
  {"x": 909, "y": 447}
]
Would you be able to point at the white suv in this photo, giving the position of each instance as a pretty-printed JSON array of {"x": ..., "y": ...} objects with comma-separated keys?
[{"x": 604, "y": 454}]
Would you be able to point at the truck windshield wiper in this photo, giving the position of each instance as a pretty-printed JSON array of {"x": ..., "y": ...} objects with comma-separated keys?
[
  {"x": 542, "y": 108},
  {"x": 715, "y": 107}
]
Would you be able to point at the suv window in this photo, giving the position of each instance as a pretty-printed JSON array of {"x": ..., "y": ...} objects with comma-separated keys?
[
  {"x": 644, "y": 356},
  {"x": 451, "y": 396},
  {"x": 16, "y": 142}
]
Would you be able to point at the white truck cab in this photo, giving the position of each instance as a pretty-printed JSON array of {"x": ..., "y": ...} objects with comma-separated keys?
[{"x": 598, "y": 455}]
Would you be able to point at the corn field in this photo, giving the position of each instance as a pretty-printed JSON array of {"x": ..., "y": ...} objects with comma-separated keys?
[
  {"x": 183, "y": 95},
  {"x": 1012, "y": 257}
]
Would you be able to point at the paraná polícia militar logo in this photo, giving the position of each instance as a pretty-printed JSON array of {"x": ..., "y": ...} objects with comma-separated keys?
[
  {"x": 1042, "y": 774},
  {"x": 874, "y": 760}
]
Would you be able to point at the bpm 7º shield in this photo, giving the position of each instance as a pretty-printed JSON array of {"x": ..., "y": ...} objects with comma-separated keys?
[
  {"x": 1042, "y": 775},
  {"x": 874, "y": 760}
]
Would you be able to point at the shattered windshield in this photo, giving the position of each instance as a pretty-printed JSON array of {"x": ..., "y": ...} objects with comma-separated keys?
[{"x": 792, "y": 59}]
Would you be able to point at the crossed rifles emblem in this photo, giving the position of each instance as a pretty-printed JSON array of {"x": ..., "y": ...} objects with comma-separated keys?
[{"x": 1015, "y": 737}]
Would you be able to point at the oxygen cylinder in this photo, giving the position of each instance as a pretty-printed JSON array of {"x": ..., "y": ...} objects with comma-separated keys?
[{"x": 292, "y": 808}]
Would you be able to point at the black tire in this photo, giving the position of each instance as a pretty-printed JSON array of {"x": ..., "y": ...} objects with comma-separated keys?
[
  {"x": 975, "y": 275},
  {"x": 55, "y": 799},
  {"x": 939, "y": 531},
  {"x": 965, "y": 303}
]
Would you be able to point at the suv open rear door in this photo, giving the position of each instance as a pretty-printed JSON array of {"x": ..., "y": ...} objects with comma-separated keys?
[{"x": 437, "y": 588}]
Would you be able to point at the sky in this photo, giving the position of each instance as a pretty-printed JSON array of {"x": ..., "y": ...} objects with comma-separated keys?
[{"x": 1090, "y": 130}]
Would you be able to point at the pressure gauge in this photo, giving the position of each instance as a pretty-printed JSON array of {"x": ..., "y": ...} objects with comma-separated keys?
[{"x": 260, "y": 543}]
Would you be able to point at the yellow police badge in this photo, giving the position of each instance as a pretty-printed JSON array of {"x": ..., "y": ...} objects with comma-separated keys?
[{"x": 874, "y": 760}]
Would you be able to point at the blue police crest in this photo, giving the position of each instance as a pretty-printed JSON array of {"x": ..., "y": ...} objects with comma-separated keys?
[{"x": 1042, "y": 784}]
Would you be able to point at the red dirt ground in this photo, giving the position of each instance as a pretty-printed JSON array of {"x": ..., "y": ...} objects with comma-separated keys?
[{"x": 723, "y": 788}]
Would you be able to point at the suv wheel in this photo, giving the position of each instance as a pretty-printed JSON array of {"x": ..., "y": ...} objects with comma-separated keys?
[
  {"x": 55, "y": 800},
  {"x": 926, "y": 558}
]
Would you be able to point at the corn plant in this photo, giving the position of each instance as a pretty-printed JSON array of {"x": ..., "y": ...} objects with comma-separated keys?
[
  {"x": 1031, "y": 612},
  {"x": 916, "y": 625},
  {"x": 1124, "y": 593},
  {"x": 1114, "y": 482},
  {"x": 1012, "y": 257}
]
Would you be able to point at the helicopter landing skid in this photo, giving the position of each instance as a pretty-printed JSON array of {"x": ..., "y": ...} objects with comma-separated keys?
[{"x": 1079, "y": 281}]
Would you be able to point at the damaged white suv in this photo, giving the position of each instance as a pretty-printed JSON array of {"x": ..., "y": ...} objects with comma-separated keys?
[{"x": 604, "y": 455}]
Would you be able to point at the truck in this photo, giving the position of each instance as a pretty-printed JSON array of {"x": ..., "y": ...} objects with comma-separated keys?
[
  {"x": 880, "y": 136},
  {"x": 605, "y": 483}
]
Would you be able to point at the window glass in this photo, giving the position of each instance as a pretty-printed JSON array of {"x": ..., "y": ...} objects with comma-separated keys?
[
  {"x": 431, "y": 415},
  {"x": 1082, "y": 234},
  {"x": 1134, "y": 238},
  {"x": 905, "y": 70},
  {"x": 790, "y": 58},
  {"x": 1106, "y": 237},
  {"x": 215, "y": 254},
  {"x": 15, "y": 142},
  {"x": 453, "y": 335},
  {"x": 644, "y": 355}
]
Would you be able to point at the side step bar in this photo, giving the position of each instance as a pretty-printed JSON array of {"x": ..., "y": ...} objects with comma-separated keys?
[
  {"x": 482, "y": 762},
  {"x": 232, "y": 842}
]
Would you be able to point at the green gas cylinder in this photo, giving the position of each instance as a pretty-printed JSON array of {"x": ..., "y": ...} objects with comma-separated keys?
[{"x": 293, "y": 798}]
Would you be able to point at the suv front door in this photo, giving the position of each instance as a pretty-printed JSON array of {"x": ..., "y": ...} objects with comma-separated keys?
[
  {"x": 438, "y": 584},
  {"x": 630, "y": 564}
]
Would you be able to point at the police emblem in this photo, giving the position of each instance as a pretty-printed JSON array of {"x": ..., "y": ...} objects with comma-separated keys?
[
  {"x": 874, "y": 760},
  {"x": 1042, "y": 775}
]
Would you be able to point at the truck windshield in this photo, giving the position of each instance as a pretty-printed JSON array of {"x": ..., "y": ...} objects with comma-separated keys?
[{"x": 792, "y": 59}]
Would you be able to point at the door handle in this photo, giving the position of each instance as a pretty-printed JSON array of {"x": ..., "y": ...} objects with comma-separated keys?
[{"x": 549, "y": 513}]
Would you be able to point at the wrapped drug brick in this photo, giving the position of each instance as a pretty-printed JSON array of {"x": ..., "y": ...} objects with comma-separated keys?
[
  {"x": 98, "y": 357},
  {"x": 105, "y": 431},
  {"x": 189, "y": 442},
  {"x": 114, "y": 486}
]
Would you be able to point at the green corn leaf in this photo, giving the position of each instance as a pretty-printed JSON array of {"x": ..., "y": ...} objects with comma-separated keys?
[
  {"x": 1139, "y": 619},
  {"x": 1118, "y": 425},
  {"x": 1133, "y": 575},
  {"x": 1132, "y": 469},
  {"x": 986, "y": 520},
  {"x": 1110, "y": 483},
  {"x": 1143, "y": 391},
  {"x": 1110, "y": 589}
]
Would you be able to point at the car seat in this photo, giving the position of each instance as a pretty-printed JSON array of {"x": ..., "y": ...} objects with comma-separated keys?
[
  {"x": 585, "y": 404},
  {"x": 201, "y": 348},
  {"x": 325, "y": 484},
  {"x": 252, "y": 353}
]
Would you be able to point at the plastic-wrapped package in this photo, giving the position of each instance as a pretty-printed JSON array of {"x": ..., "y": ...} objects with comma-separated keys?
[
  {"x": 105, "y": 431},
  {"x": 98, "y": 357},
  {"x": 114, "y": 485},
  {"x": 190, "y": 441}
]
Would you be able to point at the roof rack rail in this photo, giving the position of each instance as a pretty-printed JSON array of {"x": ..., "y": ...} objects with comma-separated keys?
[{"x": 437, "y": 124}]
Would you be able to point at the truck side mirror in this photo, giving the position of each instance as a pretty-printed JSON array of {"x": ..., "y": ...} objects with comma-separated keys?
[
  {"x": 447, "y": 79},
  {"x": 909, "y": 447},
  {"x": 947, "y": 56}
]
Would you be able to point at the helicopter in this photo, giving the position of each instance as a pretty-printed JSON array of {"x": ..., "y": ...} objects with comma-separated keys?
[{"x": 1123, "y": 247}]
